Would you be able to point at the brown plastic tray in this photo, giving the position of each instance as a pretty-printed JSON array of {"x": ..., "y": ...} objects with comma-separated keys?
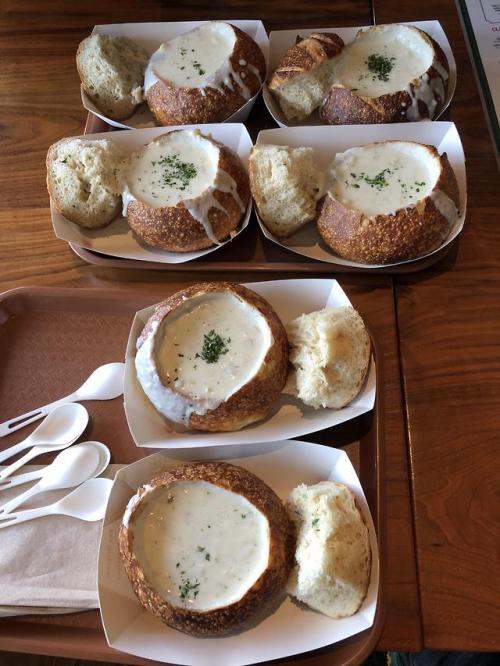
[
  {"x": 50, "y": 341},
  {"x": 250, "y": 251}
]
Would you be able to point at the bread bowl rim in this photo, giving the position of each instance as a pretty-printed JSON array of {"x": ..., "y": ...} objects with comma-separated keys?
[
  {"x": 168, "y": 30},
  {"x": 432, "y": 27},
  {"x": 244, "y": 400}
]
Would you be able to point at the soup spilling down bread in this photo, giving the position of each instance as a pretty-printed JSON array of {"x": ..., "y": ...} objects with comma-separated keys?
[
  {"x": 202, "y": 76},
  {"x": 209, "y": 548},
  {"x": 379, "y": 203},
  {"x": 216, "y": 357},
  {"x": 181, "y": 192},
  {"x": 388, "y": 73}
]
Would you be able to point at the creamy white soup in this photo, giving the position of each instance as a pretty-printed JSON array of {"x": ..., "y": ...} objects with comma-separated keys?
[
  {"x": 179, "y": 166},
  {"x": 190, "y": 59},
  {"x": 201, "y": 546},
  {"x": 383, "y": 177},
  {"x": 384, "y": 60}
]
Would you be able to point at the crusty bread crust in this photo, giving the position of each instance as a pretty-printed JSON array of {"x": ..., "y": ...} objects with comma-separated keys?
[
  {"x": 273, "y": 579},
  {"x": 183, "y": 106},
  {"x": 303, "y": 56},
  {"x": 253, "y": 400},
  {"x": 343, "y": 106},
  {"x": 174, "y": 229},
  {"x": 409, "y": 233}
]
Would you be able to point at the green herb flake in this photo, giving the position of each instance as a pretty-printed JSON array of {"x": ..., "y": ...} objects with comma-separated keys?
[
  {"x": 200, "y": 549},
  {"x": 214, "y": 346},
  {"x": 315, "y": 522},
  {"x": 176, "y": 173},
  {"x": 207, "y": 557},
  {"x": 186, "y": 588},
  {"x": 380, "y": 65}
]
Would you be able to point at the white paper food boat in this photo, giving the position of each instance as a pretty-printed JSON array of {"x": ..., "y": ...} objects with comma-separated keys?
[
  {"x": 290, "y": 629},
  {"x": 288, "y": 418},
  {"x": 281, "y": 40},
  {"x": 116, "y": 239},
  {"x": 150, "y": 36},
  {"x": 326, "y": 140}
]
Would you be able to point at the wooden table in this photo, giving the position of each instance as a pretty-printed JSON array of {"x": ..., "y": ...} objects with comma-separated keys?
[{"x": 436, "y": 329}]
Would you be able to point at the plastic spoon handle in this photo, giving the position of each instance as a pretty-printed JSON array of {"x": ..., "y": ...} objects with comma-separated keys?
[
  {"x": 14, "y": 450},
  {"x": 30, "y": 417},
  {"x": 22, "y": 478},
  {"x": 33, "y": 453},
  {"x": 29, "y": 514},
  {"x": 14, "y": 503}
]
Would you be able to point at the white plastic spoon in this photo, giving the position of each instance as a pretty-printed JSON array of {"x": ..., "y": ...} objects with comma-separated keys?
[
  {"x": 65, "y": 424},
  {"x": 87, "y": 502},
  {"x": 20, "y": 479},
  {"x": 71, "y": 468},
  {"x": 105, "y": 383}
]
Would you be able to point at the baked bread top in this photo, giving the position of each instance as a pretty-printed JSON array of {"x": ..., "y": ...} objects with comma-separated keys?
[
  {"x": 330, "y": 352},
  {"x": 333, "y": 555},
  {"x": 111, "y": 70},
  {"x": 305, "y": 74},
  {"x": 83, "y": 180}
]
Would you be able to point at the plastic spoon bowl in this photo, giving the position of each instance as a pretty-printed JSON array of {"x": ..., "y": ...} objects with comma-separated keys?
[
  {"x": 105, "y": 383},
  {"x": 88, "y": 502},
  {"x": 63, "y": 425},
  {"x": 20, "y": 479},
  {"x": 71, "y": 468}
]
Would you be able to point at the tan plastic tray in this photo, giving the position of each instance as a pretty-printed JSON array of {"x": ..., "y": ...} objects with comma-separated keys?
[
  {"x": 50, "y": 341},
  {"x": 250, "y": 251}
]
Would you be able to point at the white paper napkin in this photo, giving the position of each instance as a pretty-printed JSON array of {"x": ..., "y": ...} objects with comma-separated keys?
[{"x": 49, "y": 562}]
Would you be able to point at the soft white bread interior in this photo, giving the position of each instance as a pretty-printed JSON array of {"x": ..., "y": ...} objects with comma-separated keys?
[
  {"x": 330, "y": 351},
  {"x": 285, "y": 186},
  {"x": 83, "y": 179},
  {"x": 333, "y": 555},
  {"x": 112, "y": 72}
]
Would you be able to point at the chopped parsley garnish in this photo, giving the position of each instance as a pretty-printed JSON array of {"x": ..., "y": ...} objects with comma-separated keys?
[
  {"x": 214, "y": 346},
  {"x": 198, "y": 67},
  {"x": 315, "y": 522},
  {"x": 377, "y": 181},
  {"x": 187, "y": 588},
  {"x": 207, "y": 557},
  {"x": 176, "y": 172},
  {"x": 380, "y": 65},
  {"x": 200, "y": 549},
  {"x": 243, "y": 515}
]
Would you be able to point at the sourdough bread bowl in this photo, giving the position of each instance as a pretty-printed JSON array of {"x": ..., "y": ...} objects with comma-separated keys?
[
  {"x": 111, "y": 69},
  {"x": 388, "y": 201},
  {"x": 83, "y": 180},
  {"x": 206, "y": 546},
  {"x": 213, "y": 357},
  {"x": 204, "y": 75},
  {"x": 389, "y": 73},
  {"x": 305, "y": 74},
  {"x": 185, "y": 191}
]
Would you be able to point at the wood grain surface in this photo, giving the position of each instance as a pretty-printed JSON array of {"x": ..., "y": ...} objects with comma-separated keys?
[{"x": 449, "y": 334}]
